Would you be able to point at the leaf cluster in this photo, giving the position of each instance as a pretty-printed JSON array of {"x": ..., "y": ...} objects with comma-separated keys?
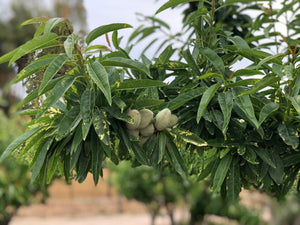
[{"x": 242, "y": 124}]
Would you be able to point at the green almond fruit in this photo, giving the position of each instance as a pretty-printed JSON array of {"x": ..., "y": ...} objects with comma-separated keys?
[
  {"x": 136, "y": 116},
  {"x": 163, "y": 119},
  {"x": 146, "y": 118}
]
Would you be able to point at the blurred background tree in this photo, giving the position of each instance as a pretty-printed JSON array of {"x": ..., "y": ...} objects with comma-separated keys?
[{"x": 13, "y": 35}]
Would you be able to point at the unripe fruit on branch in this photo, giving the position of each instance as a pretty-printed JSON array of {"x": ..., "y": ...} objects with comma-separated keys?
[
  {"x": 163, "y": 119},
  {"x": 143, "y": 140},
  {"x": 134, "y": 133},
  {"x": 173, "y": 121},
  {"x": 146, "y": 118},
  {"x": 147, "y": 131},
  {"x": 135, "y": 115}
]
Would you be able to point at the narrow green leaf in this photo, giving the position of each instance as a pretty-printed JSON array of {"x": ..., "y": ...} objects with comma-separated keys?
[
  {"x": 269, "y": 58},
  {"x": 115, "y": 39},
  {"x": 115, "y": 112},
  {"x": 69, "y": 120},
  {"x": 35, "y": 20},
  {"x": 210, "y": 75},
  {"x": 39, "y": 162},
  {"x": 52, "y": 69},
  {"x": 137, "y": 84},
  {"x": 17, "y": 142},
  {"x": 129, "y": 63},
  {"x": 184, "y": 97},
  {"x": 265, "y": 82},
  {"x": 148, "y": 103},
  {"x": 75, "y": 156},
  {"x": 245, "y": 104},
  {"x": 245, "y": 82},
  {"x": 86, "y": 107},
  {"x": 165, "y": 56},
  {"x": 191, "y": 61},
  {"x": 34, "y": 67},
  {"x": 162, "y": 140},
  {"x": 267, "y": 110},
  {"x": 101, "y": 126},
  {"x": 36, "y": 43},
  {"x": 234, "y": 183},
  {"x": 100, "y": 77},
  {"x": 97, "y": 158},
  {"x": 207, "y": 96},
  {"x": 51, "y": 23},
  {"x": 221, "y": 173},
  {"x": 247, "y": 72},
  {"x": 295, "y": 102},
  {"x": 77, "y": 139},
  {"x": 190, "y": 137},
  {"x": 99, "y": 31},
  {"x": 265, "y": 155},
  {"x": 241, "y": 1},
  {"x": 226, "y": 104},
  {"x": 255, "y": 55},
  {"x": 176, "y": 158},
  {"x": 291, "y": 159},
  {"x": 160, "y": 22},
  {"x": 277, "y": 173},
  {"x": 69, "y": 44},
  {"x": 56, "y": 93},
  {"x": 289, "y": 135},
  {"x": 8, "y": 56},
  {"x": 213, "y": 58},
  {"x": 172, "y": 4},
  {"x": 239, "y": 42}
]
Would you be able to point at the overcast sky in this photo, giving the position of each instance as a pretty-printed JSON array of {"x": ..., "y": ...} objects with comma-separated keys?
[{"x": 101, "y": 12}]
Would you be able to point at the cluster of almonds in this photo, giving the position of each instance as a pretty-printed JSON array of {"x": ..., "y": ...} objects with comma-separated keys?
[{"x": 144, "y": 124}]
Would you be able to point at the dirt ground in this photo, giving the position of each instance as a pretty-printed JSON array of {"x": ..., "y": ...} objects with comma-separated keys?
[{"x": 86, "y": 204}]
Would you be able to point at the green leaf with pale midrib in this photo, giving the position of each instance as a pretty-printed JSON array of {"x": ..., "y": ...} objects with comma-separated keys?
[
  {"x": 51, "y": 23},
  {"x": 39, "y": 162},
  {"x": 207, "y": 96},
  {"x": 213, "y": 58},
  {"x": 52, "y": 69},
  {"x": 128, "y": 63},
  {"x": 99, "y": 31},
  {"x": 36, "y": 43},
  {"x": 226, "y": 104},
  {"x": 137, "y": 84},
  {"x": 221, "y": 173},
  {"x": 86, "y": 110},
  {"x": 172, "y": 4},
  {"x": 99, "y": 75}
]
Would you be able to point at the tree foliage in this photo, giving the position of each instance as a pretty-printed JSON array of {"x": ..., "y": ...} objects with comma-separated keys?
[{"x": 242, "y": 123}]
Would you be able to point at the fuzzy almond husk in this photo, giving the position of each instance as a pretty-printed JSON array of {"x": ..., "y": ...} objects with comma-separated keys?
[
  {"x": 147, "y": 131},
  {"x": 146, "y": 118},
  {"x": 134, "y": 133},
  {"x": 173, "y": 120},
  {"x": 136, "y": 116},
  {"x": 143, "y": 140},
  {"x": 163, "y": 119}
]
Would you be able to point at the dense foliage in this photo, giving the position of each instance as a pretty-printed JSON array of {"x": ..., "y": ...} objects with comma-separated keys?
[
  {"x": 15, "y": 187},
  {"x": 239, "y": 127}
]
